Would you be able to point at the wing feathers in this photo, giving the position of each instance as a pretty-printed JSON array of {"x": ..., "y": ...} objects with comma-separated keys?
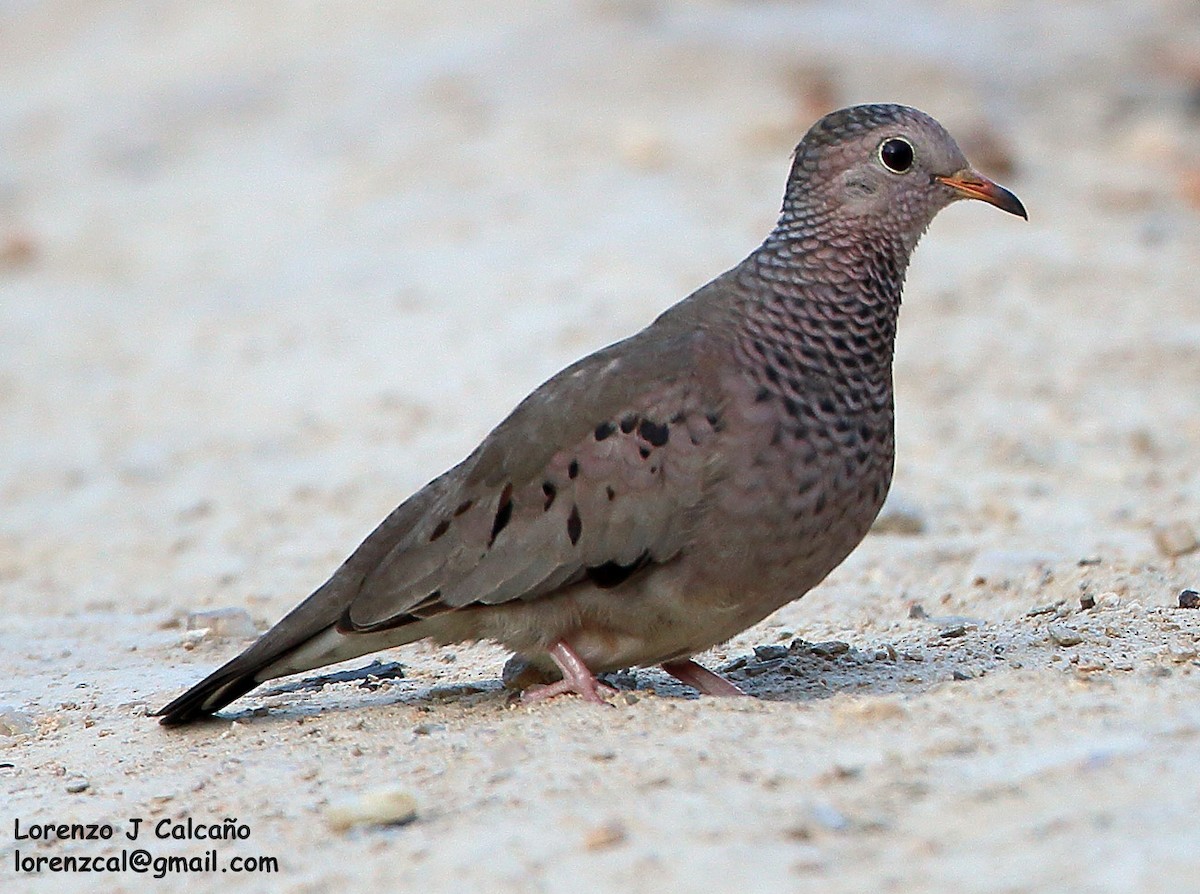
[{"x": 601, "y": 468}]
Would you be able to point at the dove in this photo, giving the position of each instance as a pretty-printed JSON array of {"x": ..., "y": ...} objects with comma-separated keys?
[{"x": 671, "y": 490}]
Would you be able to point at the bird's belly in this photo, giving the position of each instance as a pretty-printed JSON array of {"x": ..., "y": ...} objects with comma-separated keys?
[{"x": 667, "y": 612}]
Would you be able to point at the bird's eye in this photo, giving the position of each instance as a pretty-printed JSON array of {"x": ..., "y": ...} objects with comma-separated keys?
[{"x": 896, "y": 155}]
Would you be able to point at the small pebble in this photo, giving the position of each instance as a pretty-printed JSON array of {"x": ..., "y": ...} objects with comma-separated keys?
[
  {"x": 953, "y": 630},
  {"x": 1189, "y": 599},
  {"x": 518, "y": 673},
  {"x": 1176, "y": 539},
  {"x": 383, "y": 807},
  {"x": 604, "y": 836},
  {"x": 15, "y": 723},
  {"x": 624, "y": 679},
  {"x": 1049, "y": 609},
  {"x": 830, "y": 649},
  {"x": 962, "y": 675},
  {"x": 454, "y": 691},
  {"x": 1064, "y": 635},
  {"x": 770, "y": 653},
  {"x": 828, "y": 817},
  {"x": 75, "y": 786},
  {"x": 222, "y": 623},
  {"x": 1086, "y": 602},
  {"x": 756, "y": 670},
  {"x": 1180, "y": 654},
  {"x": 841, "y": 772}
]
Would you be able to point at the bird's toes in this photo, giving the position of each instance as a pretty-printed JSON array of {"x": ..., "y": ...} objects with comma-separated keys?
[{"x": 589, "y": 690}]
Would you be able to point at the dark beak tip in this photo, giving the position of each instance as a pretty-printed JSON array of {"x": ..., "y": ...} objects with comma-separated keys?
[
  {"x": 972, "y": 185},
  {"x": 1007, "y": 201}
]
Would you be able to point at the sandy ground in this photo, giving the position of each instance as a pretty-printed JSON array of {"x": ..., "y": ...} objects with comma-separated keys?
[{"x": 264, "y": 273}]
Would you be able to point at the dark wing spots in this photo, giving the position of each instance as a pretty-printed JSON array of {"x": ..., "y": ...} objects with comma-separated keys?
[
  {"x": 463, "y": 507},
  {"x": 551, "y": 492},
  {"x": 763, "y": 394},
  {"x": 503, "y": 513},
  {"x": 610, "y": 574},
  {"x": 612, "y": 494},
  {"x": 629, "y": 423},
  {"x": 715, "y": 421},
  {"x": 574, "y": 525},
  {"x": 442, "y": 527},
  {"x": 793, "y": 408},
  {"x": 644, "y": 452},
  {"x": 573, "y": 469},
  {"x": 604, "y": 429},
  {"x": 654, "y": 432}
]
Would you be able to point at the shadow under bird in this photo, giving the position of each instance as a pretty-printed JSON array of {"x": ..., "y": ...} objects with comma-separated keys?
[{"x": 669, "y": 491}]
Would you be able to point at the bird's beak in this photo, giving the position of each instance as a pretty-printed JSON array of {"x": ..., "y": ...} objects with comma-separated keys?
[{"x": 973, "y": 185}]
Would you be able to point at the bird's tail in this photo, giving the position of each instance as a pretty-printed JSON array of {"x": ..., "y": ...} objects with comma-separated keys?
[{"x": 306, "y": 638}]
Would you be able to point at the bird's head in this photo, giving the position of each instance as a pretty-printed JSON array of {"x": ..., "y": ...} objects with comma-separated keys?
[{"x": 884, "y": 166}]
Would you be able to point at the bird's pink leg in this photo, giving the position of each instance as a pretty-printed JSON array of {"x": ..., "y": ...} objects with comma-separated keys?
[
  {"x": 576, "y": 677},
  {"x": 701, "y": 678}
]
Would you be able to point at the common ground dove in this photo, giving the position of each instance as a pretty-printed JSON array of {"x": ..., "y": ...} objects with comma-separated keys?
[{"x": 666, "y": 492}]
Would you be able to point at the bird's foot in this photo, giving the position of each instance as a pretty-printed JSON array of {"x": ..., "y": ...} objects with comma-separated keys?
[
  {"x": 701, "y": 678},
  {"x": 576, "y": 678}
]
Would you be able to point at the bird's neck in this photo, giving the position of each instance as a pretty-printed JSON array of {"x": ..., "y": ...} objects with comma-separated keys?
[{"x": 830, "y": 302}]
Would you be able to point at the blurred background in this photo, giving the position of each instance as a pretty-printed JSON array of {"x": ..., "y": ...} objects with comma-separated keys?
[{"x": 266, "y": 269}]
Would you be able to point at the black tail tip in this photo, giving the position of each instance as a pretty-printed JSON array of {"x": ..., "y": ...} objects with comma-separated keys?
[
  {"x": 180, "y": 712},
  {"x": 205, "y": 698}
]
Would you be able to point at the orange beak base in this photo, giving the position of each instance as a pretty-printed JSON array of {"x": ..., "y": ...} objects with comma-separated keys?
[{"x": 973, "y": 185}]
